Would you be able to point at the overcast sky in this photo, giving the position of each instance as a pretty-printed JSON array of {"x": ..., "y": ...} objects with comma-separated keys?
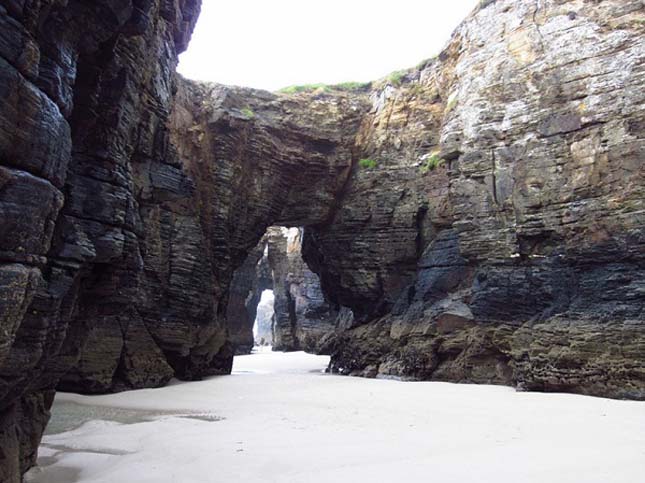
[{"x": 271, "y": 44}]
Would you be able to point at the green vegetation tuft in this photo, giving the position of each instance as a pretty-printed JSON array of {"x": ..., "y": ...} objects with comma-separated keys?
[
  {"x": 351, "y": 86},
  {"x": 248, "y": 113},
  {"x": 396, "y": 77},
  {"x": 367, "y": 163},
  {"x": 432, "y": 162},
  {"x": 343, "y": 86},
  {"x": 304, "y": 88}
]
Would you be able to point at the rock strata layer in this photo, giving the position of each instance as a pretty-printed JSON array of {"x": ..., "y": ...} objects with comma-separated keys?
[
  {"x": 83, "y": 118},
  {"x": 526, "y": 136}
]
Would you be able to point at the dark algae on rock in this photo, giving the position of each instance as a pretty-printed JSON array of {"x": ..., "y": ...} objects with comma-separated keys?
[{"x": 496, "y": 234}]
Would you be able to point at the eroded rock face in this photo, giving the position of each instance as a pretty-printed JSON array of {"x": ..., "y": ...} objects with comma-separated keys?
[
  {"x": 530, "y": 269},
  {"x": 78, "y": 112}
]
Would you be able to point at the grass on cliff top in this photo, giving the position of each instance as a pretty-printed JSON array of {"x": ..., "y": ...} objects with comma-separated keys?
[
  {"x": 395, "y": 78},
  {"x": 304, "y": 88},
  {"x": 426, "y": 62},
  {"x": 343, "y": 86}
]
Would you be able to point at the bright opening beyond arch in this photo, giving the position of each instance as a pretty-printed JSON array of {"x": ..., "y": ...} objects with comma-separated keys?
[{"x": 263, "y": 326}]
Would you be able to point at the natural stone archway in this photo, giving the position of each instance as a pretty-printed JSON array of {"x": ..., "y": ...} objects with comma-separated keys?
[
  {"x": 249, "y": 282},
  {"x": 303, "y": 319},
  {"x": 235, "y": 174},
  {"x": 494, "y": 232},
  {"x": 464, "y": 246}
]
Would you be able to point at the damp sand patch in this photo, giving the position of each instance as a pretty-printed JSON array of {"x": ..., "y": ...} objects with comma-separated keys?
[
  {"x": 68, "y": 416},
  {"x": 57, "y": 463}
]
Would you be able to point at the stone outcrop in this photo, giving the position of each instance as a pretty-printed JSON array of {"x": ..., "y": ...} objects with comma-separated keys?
[
  {"x": 478, "y": 218},
  {"x": 519, "y": 155},
  {"x": 82, "y": 115}
]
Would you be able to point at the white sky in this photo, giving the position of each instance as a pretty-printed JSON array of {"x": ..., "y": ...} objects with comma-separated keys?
[
  {"x": 270, "y": 44},
  {"x": 267, "y": 298}
]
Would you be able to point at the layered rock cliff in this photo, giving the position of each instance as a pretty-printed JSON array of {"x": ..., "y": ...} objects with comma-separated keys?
[
  {"x": 481, "y": 215},
  {"x": 82, "y": 111},
  {"x": 525, "y": 137}
]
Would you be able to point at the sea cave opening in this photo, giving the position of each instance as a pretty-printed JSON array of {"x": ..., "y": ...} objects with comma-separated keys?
[
  {"x": 263, "y": 324},
  {"x": 277, "y": 301}
]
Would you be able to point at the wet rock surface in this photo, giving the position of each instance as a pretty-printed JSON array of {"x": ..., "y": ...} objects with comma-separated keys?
[{"x": 494, "y": 232}]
